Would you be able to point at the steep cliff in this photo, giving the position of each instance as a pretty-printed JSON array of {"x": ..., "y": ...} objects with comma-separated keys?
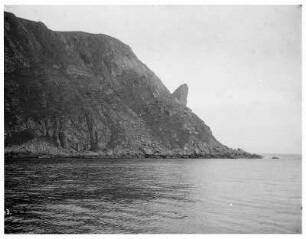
[{"x": 72, "y": 93}]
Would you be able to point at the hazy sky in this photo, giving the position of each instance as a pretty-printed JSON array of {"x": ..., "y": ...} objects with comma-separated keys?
[{"x": 242, "y": 63}]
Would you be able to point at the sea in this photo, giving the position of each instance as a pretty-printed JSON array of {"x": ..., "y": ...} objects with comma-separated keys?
[{"x": 154, "y": 196}]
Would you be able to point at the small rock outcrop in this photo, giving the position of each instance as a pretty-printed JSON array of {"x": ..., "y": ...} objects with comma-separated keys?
[
  {"x": 76, "y": 93},
  {"x": 181, "y": 94}
]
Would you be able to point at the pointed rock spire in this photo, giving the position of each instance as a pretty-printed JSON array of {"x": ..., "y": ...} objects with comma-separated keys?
[{"x": 181, "y": 93}]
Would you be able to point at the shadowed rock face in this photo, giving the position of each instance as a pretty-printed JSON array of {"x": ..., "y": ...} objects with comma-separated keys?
[
  {"x": 181, "y": 93},
  {"x": 78, "y": 92}
]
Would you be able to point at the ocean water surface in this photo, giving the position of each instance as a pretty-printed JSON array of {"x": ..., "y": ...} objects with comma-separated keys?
[{"x": 154, "y": 195}]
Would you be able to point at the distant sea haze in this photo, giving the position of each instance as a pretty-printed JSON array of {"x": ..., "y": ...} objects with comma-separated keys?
[{"x": 154, "y": 195}]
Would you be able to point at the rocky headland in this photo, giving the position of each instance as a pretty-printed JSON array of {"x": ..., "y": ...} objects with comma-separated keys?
[{"x": 75, "y": 94}]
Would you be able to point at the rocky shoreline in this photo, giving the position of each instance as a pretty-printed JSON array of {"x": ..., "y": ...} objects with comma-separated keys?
[
  {"x": 136, "y": 156},
  {"x": 43, "y": 148},
  {"x": 129, "y": 155}
]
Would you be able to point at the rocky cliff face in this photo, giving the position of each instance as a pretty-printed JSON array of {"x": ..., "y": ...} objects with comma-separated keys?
[{"x": 75, "y": 92}]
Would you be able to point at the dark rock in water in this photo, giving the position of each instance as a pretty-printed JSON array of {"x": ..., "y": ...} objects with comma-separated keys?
[
  {"x": 274, "y": 157},
  {"x": 181, "y": 93},
  {"x": 79, "y": 94}
]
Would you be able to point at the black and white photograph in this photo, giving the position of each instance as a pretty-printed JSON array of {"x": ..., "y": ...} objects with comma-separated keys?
[{"x": 152, "y": 119}]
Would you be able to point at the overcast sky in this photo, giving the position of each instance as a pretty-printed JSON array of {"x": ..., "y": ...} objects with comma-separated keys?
[{"x": 242, "y": 63}]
